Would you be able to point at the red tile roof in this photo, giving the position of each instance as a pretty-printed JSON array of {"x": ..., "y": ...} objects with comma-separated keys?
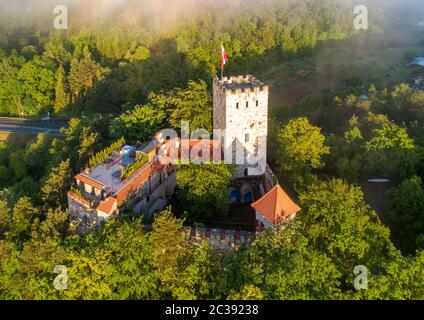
[
  {"x": 276, "y": 206},
  {"x": 107, "y": 205},
  {"x": 139, "y": 178},
  {"x": 136, "y": 182},
  {"x": 214, "y": 147},
  {"x": 89, "y": 181}
]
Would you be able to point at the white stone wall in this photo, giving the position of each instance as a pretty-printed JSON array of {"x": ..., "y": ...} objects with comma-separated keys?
[
  {"x": 267, "y": 224},
  {"x": 243, "y": 113},
  {"x": 264, "y": 221},
  {"x": 98, "y": 193},
  {"x": 89, "y": 189}
]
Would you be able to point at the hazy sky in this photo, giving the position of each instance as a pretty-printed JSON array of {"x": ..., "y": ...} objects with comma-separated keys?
[
  {"x": 159, "y": 11},
  {"x": 92, "y": 10}
]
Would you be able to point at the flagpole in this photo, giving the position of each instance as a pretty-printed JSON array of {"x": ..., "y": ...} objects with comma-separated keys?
[{"x": 223, "y": 61}]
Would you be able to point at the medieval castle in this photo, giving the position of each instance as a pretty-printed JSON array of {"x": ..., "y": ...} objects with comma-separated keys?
[{"x": 240, "y": 110}]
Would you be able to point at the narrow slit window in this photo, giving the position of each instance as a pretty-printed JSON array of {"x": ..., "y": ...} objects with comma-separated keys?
[
  {"x": 247, "y": 104},
  {"x": 237, "y": 105}
]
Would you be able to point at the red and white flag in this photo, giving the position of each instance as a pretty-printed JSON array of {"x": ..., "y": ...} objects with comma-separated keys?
[{"x": 224, "y": 58}]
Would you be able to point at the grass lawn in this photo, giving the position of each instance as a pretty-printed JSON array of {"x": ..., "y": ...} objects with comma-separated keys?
[{"x": 375, "y": 60}]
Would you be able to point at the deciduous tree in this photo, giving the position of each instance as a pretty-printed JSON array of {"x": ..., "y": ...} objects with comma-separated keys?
[
  {"x": 138, "y": 125},
  {"x": 204, "y": 189},
  {"x": 407, "y": 214},
  {"x": 61, "y": 96},
  {"x": 301, "y": 149}
]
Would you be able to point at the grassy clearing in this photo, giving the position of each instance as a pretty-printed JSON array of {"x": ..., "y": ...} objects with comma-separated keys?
[
  {"x": 16, "y": 138},
  {"x": 384, "y": 64}
]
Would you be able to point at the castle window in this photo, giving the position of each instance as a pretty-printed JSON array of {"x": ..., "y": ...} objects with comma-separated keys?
[
  {"x": 247, "y": 104},
  {"x": 257, "y": 103},
  {"x": 257, "y": 146},
  {"x": 237, "y": 105},
  {"x": 233, "y": 150},
  {"x": 246, "y": 137}
]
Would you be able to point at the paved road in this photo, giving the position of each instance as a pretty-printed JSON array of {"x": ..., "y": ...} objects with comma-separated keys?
[{"x": 31, "y": 126}]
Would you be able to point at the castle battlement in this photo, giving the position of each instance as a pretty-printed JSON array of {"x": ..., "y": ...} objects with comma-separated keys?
[{"x": 240, "y": 84}]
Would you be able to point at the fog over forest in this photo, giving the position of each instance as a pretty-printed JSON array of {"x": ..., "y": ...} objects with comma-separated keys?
[
  {"x": 165, "y": 15},
  {"x": 344, "y": 123}
]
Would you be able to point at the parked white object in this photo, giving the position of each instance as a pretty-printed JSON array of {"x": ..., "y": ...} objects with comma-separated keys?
[{"x": 379, "y": 180}]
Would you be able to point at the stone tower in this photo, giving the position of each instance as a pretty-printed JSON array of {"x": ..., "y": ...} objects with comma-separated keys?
[{"x": 240, "y": 107}]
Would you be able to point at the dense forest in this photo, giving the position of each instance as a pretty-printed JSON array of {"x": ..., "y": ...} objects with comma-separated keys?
[
  {"x": 102, "y": 68},
  {"x": 130, "y": 78}
]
